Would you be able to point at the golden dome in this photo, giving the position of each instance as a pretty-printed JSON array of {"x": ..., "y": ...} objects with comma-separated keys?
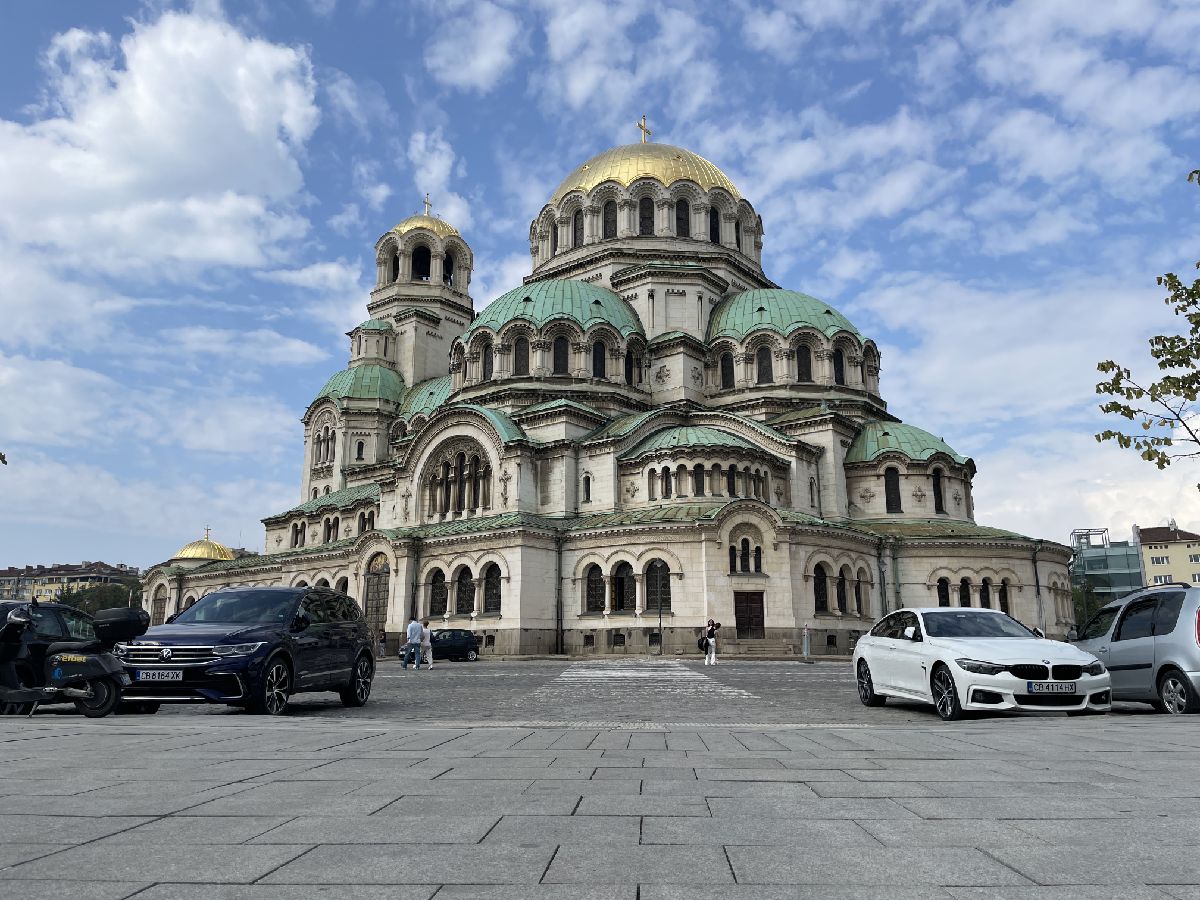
[
  {"x": 438, "y": 226},
  {"x": 205, "y": 548},
  {"x": 627, "y": 164}
]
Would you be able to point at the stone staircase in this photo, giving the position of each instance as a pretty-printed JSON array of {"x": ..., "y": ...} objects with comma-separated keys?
[{"x": 761, "y": 648}]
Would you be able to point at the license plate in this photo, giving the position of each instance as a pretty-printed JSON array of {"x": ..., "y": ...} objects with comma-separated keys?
[
  {"x": 160, "y": 674},
  {"x": 1051, "y": 687}
]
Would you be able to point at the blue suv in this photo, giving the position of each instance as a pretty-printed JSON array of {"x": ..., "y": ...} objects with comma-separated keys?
[{"x": 253, "y": 647}]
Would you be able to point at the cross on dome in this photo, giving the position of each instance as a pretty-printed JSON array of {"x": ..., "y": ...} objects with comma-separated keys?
[
  {"x": 646, "y": 132},
  {"x": 428, "y": 205}
]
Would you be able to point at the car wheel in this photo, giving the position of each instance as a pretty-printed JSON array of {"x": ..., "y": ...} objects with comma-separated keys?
[
  {"x": 472, "y": 655},
  {"x": 106, "y": 694},
  {"x": 945, "y": 695},
  {"x": 1175, "y": 693},
  {"x": 359, "y": 689},
  {"x": 866, "y": 687},
  {"x": 271, "y": 698}
]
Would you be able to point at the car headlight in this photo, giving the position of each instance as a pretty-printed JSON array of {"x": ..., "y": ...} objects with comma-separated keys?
[
  {"x": 979, "y": 667},
  {"x": 120, "y": 649},
  {"x": 1094, "y": 668},
  {"x": 236, "y": 649}
]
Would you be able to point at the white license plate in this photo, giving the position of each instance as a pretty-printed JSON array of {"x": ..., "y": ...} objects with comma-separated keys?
[
  {"x": 160, "y": 674},
  {"x": 1051, "y": 687}
]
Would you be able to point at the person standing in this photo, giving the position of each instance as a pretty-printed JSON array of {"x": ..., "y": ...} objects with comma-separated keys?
[
  {"x": 382, "y": 643},
  {"x": 426, "y": 645},
  {"x": 412, "y": 648},
  {"x": 710, "y": 635}
]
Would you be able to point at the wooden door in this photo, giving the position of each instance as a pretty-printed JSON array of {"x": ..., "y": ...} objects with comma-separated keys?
[{"x": 748, "y": 615}]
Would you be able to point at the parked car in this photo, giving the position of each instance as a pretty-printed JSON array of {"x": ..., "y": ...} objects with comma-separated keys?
[
  {"x": 975, "y": 659},
  {"x": 254, "y": 647},
  {"x": 1150, "y": 642},
  {"x": 455, "y": 643}
]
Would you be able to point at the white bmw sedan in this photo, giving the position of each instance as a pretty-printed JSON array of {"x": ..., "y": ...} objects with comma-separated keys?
[{"x": 975, "y": 659}]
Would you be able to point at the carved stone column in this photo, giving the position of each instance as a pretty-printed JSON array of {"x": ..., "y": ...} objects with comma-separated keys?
[
  {"x": 626, "y": 215},
  {"x": 664, "y": 227}
]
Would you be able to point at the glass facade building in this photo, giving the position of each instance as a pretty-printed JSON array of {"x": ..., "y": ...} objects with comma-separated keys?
[{"x": 1111, "y": 569}]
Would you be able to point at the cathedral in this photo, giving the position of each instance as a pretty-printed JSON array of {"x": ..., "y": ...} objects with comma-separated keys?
[{"x": 645, "y": 434}]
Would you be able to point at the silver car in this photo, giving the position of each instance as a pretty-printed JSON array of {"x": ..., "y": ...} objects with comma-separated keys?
[{"x": 1150, "y": 643}]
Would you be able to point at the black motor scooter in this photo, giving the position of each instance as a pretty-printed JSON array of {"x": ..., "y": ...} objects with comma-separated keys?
[{"x": 83, "y": 672}]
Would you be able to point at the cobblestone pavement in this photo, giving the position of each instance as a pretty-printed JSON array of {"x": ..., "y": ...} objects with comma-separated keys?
[{"x": 638, "y": 780}]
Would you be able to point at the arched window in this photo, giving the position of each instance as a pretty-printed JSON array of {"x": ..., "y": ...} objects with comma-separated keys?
[
  {"x": 488, "y": 361},
  {"x": 943, "y": 591},
  {"x": 839, "y": 367},
  {"x": 1002, "y": 596},
  {"x": 326, "y": 490},
  {"x": 629, "y": 367},
  {"x": 733, "y": 559},
  {"x": 726, "y": 371},
  {"x": 553, "y": 238},
  {"x": 891, "y": 489},
  {"x": 395, "y": 267},
  {"x": 343, "y": 585},
  {"x": 762, "y": 362},
  {"x": 821, "y": 588},
  {"x": 665, "y": 481},
  {"x": 437, "y": 593},
  {"x": 445, "y": 487},
  {"x": 658, "y": 586},
  {"x": 804, "y": 363},
  {"x": 464, "y": 593},
  {"x": 646, "y": 216},
  {"x": 737, "y": 235},
  {"x": 315, "y": 493},
  {"x": 460, "y": 480},
  {"x": 420, "y": 263},
  {"x": 362, "y": 522},
  {"x": 939, "y": 505},
  {"x": 476, "y": 482},
  {"x": 652, "y": 485},
  {"x": 599, "y": 351},
  {"x": 985, "y": 594},
  {"x": 561, "y": 355},
  {"x": 964, "y": 592},
  {"x": 812, "y": 492},
  {"x": 594, "y": 579},
  {"x": 521, "y": 356},
  {"x": 731, "y": 481},
  {"x": 758, "y": 559},
  {"x": 744, "y": 555},
  {"x": 358, "y": 451},
  {"x": 577, "y": 228},
  {"x": 698, "y": 480},
  {"x": 610, "y": 219},
  {"x": 683, "y": 219},
  {"x": 371, "y": 520},
  {"x": 858, "y": 592},
  {"x": 624, "y": 587},
  {"x": 491, "y": 589},
  {"x": 587, "y": 488},
  {"x": 842, "y": 598},
  {"x": 448, "y": 269},
  {"x": 714, "y": 225}
]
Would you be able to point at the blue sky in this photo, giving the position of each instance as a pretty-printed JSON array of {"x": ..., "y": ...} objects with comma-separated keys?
[{"x": 190, "y": 194}]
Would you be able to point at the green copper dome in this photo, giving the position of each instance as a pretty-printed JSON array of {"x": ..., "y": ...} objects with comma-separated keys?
[
  {"x": 365, "y": 382},
  {"x": 703, "y": 437},
  {"x": 877, "y": 438},
  {"x": 775, "y": 310},
  {"x": 425, "y": 397},
  {"x": 543, "y": 302},
  {"x": 374, "y": 325}
]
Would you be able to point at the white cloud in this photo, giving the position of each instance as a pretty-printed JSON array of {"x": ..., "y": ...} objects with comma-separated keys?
[
  {"x": 847, "y": 264},
  {"x": 347, "y": 221},
  {"x": 434, "y": 163},
  {"x": 358, "y": 104},
  {"x": 256, "y": 348},
  {"x": 369, "y": 185},
  {"x": 53, "y": 403},
  {"x": 495, "y": 276},
  {"x": 338, "y": 291},
  {"x": 484, "y": 44}
]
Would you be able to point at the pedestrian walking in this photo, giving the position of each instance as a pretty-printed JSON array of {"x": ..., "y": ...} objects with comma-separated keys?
[
  {"x": 412, "y": 649},
  {"x": 710, "y": 636},
  {"x": 426, "y": 645}
]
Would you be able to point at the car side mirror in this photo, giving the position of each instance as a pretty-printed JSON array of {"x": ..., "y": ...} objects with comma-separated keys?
[
  {"x": 910, "y": 633},
  {"x": 172, "y": 617},
  {"x": 1072, "y": 635},
  {"x": 301, "y": 622},
  {"x": 1039, "y": 632}
]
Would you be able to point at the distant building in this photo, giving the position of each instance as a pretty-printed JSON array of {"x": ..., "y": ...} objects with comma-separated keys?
[
  {"x": 1169, "y": 554},
  {"x": 1111, "y": 569},
  {"x": 46, "y": 583}
]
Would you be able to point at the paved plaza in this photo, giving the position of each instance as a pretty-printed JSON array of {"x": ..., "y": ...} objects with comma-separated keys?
[{"x": 604, "y": 779}]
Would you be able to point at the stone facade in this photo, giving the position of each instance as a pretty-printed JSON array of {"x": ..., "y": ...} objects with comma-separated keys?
[{"x": 647, "y": 430}]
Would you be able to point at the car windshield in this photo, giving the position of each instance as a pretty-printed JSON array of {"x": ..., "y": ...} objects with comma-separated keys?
[
  {"x": 240, "y": 608},
  {"x": 967, "y": 624}
]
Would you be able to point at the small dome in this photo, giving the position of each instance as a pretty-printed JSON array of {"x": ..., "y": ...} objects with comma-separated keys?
[
  {"x": 372, "y": 325},
  {"x": 205, "y": 548},
  {"x": 364, "y": 382},
  {"x": 542, "y": 302},
  {"x": 775, "y": 310},
  {"x": 877, "y": 438},
  {"x": 440, "y": 227},
  {"x": 690, "y": 437},
  {"x": 628, "y": 163}
]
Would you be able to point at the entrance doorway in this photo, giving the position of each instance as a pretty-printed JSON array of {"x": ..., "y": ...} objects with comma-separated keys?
[
  {"x": 375, "y": 595},
  {"x": 748, "y": 615}
]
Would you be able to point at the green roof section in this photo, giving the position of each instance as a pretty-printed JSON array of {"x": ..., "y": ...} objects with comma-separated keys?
[
  {"x": 689, "y": 436},
  {"x": 621, "y": 426},
  {"x": 374, "y": 325},
  {"x": 364, "y": 382},
  {"x": 562, "y": 403},
  {"x": 543, "y": 302},
  {"x": 775, "y": 309},
  {"x": 877, "y": 438},
  {"x": 333, "y": 500},
  {"x": 425, "y": 397},
  {"x": 933, "y": 529},
  {"x": 508, "y": 430}
]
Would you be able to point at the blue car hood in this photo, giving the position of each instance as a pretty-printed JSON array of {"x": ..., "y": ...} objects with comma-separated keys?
[{"x": 215, "y": 633}]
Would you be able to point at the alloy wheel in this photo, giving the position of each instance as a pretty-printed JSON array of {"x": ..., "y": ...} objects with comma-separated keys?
[
  {"x": 362, "y": 679},
  {"x": 866, "y": 690},
  {"x": 275, "y": 693},
  {"x": 943, "y": 693},
  {"x": 1174, "y": 695}
]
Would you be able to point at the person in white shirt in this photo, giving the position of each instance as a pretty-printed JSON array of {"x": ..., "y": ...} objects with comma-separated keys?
[
  {"x": 426, "y": 645},
  {"x": 412, "y": 649}
]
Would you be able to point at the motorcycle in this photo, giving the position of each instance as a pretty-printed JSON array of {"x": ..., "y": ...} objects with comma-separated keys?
[{"x": 83, "y": 672}]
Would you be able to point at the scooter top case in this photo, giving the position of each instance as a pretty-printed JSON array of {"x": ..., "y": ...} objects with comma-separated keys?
[
  {"x": 122, "y": 623},
  {"x": 67, "y": 663}
]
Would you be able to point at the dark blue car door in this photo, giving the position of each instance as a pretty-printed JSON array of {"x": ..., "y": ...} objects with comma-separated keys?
[{"x": 313, "y": 646}]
